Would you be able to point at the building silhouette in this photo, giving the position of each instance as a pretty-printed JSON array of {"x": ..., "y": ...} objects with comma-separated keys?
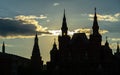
[
  {"x": 75, "y": 55},
  {"x": 12, "y": 64},
  {"x": 78, "y": 55}
]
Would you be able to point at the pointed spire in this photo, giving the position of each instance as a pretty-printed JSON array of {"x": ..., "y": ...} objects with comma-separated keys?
[
  {"x": 64, "y": 27},
  {"x": 54, "y": 45},
  {"x": 3, "y": 48},
  {"x": 64, "y": 14},
  {"x": 95, "y": 11},
  {"x": 118, "y": 49},
  {"x": 36, "y": 36},
  {"x": 106, "y": 43},
  {"x": 95, "y": 24},
  {"x": 36, "y": 50},
  {"x": 36, "y": 59}
]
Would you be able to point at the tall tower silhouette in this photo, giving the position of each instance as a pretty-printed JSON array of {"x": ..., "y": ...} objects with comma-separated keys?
[
  {"x": 64, "y": 27},
  {"x": 95, "y": 37},
  {"x": 64, "y": 39},
  {"x": 94, "y": 52},
  {"x": 95, "y": 26},
  {"x": 36, "y": 59},
  {"x": 3, "y": 48}
]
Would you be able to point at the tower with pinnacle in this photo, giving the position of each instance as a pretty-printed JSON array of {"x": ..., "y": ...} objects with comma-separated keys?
[
  {"x": 94, "y": 52},
  {"x": 64, "y": 39},
  {"x": 36, "y": 59},
  {"x": 95, "y": 37},
  {"x": 78, "y": 55}
]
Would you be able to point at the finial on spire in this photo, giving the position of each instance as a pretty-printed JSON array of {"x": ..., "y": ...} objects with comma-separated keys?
[
  {"x": 64, "y": 13},
  {"x": 36, "y": 34},
  {"x": 95, "y": 24},
  {"x": 64, "y": 10},
  {"x": 36, "y": 37},
  {"x": 3, "y": 47},
  {"x": 95, "y": 9},
  {"x": 64, "y": 27}
]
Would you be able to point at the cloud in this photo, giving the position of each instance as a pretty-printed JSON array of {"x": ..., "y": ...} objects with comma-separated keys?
[
  {"x": 32, "y": 20},
  {"x": 58, "y": 32},
  {"x": 56, "y": 4},
  {"x": 80, "y": 30},
  {"x": 48, "y": 20},
  {"x": 113, "y": 43},
  {"x": 115, "y": 39},
  {"x": 18, "y": 36},
  {"x": 103, "y": 31},
  {"x": 113, "y": 46},
  {"x": 117, "y": 15},
  {"x": 21, "y": 26},
  {"x": 109, "y": 18},
  {"x": 83, "y": 30},
  {"x": 23, "y": 17},
  {"x": 55, "y": 32},
  {"x": 88, "y": 31}
]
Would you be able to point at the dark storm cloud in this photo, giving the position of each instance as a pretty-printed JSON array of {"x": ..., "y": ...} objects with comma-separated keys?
[{"x": 12, "y": 27}]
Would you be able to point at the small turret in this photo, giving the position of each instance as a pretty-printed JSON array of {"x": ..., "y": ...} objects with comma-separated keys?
[
  {"x": 106, "y": 43},
  {"x": 54, "y": 52},
  {"x": 54, "y": 45}
]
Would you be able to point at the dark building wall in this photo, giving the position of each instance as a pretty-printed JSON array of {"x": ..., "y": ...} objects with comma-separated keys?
[{"x": 12, "y": 64}]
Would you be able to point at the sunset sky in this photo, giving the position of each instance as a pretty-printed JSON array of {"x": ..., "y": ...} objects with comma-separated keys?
[{"x": 20, "y": 19}]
